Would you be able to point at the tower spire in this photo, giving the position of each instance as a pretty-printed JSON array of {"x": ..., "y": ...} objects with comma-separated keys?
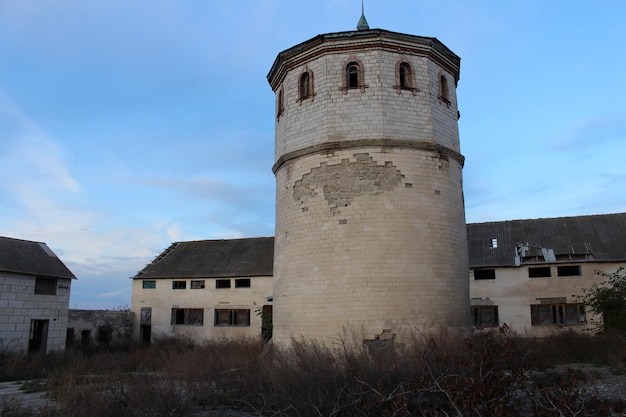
[{"x": 362, "y": 25}]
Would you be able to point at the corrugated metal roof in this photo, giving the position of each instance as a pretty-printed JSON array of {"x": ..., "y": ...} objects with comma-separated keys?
[
  {"x": 598, "y": 238},
  {"x": 32, "y": 258},
  {"x": 213, "y": 259}
]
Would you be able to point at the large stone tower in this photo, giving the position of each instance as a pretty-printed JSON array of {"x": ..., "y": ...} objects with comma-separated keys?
[{"x": 370, "y": 220}]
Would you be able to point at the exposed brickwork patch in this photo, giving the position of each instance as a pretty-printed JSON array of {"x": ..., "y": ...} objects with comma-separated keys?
[{"x": 342, "y": 183}]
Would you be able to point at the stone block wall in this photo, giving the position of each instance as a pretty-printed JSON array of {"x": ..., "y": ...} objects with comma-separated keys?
[
  {"x": 370, "y": 223},
  {"x": 19, "y": 306},
  {"x": 370, "y": 240},
  {"x": 99, "y": 327}
]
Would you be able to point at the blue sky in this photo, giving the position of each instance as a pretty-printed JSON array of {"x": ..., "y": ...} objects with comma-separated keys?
[{"x": 127, "y": 125}]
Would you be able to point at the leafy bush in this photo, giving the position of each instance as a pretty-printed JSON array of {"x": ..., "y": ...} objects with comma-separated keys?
[{"x": 608, "y": 299}]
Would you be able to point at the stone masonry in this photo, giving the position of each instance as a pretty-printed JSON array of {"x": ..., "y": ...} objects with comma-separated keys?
[
  {"x": 370, "y": 224},
  {"x": 19, "y": 305}
]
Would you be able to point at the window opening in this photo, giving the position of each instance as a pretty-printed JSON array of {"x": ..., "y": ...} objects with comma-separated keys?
[
  {"x": 234, "y": 317},
  {"x": 305, "y": 84},
  {"x": 148, "y": 284},
  {"x": 104, "y": 334},
  {"x": 539, "y": 272},
  {"x": 493, "y": 243},
  {"x": 188, "y": 316},
  {"x": 405, "y": 75},
  {"x": 280, "y": 105},
  {"x": 443, "y": 82},
  {"x": 352, "y": 74},
  {"x": 242, "y": 283},
  {"x": 46, "y": 286},
  {"x": 485, "y": 316},
  {"x": 145, "y": 317},
  {"x": 179, "y": 285},
  {"x": 222, "y": 283},
  {"x": 557, "y": 314},
  {"x": 568, "y": 270},
  {"x": 85, "y": 338},
  {"x": 197, "y": 285},
  {"x": 484, "y": 274}
]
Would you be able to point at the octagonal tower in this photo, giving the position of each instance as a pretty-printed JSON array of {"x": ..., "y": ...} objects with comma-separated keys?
[{"x": 370, "y": 220}]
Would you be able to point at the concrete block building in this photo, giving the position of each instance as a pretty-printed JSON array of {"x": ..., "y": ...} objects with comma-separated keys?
[
  {"x": 530, "y": 274},
  {"x": 34, "y": 297},
  {"x": 205, "y": 289}
]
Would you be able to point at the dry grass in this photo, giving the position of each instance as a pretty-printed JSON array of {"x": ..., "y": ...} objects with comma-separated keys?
[{"x": 491, "y": 374}]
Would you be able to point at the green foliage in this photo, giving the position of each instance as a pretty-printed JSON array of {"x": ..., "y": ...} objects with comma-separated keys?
[
  {"x": 608, "y": 299},
  {"x": 267, "y": 326}
]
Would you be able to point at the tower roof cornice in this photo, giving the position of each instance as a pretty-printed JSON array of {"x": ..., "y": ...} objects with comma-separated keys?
[{"x": 338, "y": 42}]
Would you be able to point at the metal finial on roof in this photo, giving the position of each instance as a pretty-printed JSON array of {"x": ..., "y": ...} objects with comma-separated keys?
[{"x": 362, "y": 25}]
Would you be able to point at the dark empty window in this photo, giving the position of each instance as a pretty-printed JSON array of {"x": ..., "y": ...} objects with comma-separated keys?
[
  {"x": 557, "y": 314},
  {"x": 104, "y": 334},
  {"x": 148, "y": 284},
  {"x": 405, "y": 75},
  {"x": 222, "y": 283},
  {"x": 352, "y": 75},
  {"x": 539, "y": 272},
  {"x": 305, "y": 86},
  {"x": 485, "y": 316},
  {"x": 45, "y": 286},
  {"x": 484, "y": 274},
  {"x": 443, "y": 84},
  {"x": 280, "y": 103},
  {"x": 179, "y": 285},
  {"x": 240, "y": 317},
  {"x": 568, "y": 270},
  {"x": 188, "y": 316},
  {"x": 242, "y": 283}
]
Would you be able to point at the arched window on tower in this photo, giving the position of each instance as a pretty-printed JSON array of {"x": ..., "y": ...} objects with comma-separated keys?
[
  {"x": 305, "y": 85},
  {"x": 405, "y": 76},
  {"x": 352, "y": 75},
  {"x": 405, "y": 79},
  {"x": 443, "y": 89},
  {"x": 280, "y": 104}
]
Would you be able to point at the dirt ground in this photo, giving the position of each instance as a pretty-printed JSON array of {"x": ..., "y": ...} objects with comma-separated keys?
[
  {"x": 12, "y": 393},
  {"x": 603, "y": 381}
]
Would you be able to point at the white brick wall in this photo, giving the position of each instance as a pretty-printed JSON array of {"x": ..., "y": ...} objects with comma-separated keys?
[
  {"x": 19, "y": 305},
  {"x": 394, "y": 260},
  {"x": 352, "y": 251},
  {"x": 378, "y": 112}
]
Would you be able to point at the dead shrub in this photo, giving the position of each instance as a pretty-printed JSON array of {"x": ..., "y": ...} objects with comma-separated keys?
[{"x": 489, "y": 374}]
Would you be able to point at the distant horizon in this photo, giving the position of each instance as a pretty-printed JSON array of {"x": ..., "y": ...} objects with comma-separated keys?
[{"x": 125, "y": 128}]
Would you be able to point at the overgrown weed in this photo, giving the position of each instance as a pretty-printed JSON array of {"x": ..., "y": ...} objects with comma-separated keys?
[{"x": 489, "y": 374}]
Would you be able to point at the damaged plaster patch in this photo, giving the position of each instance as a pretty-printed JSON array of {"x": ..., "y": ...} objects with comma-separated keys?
[{"x": 342, "y": 183}]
